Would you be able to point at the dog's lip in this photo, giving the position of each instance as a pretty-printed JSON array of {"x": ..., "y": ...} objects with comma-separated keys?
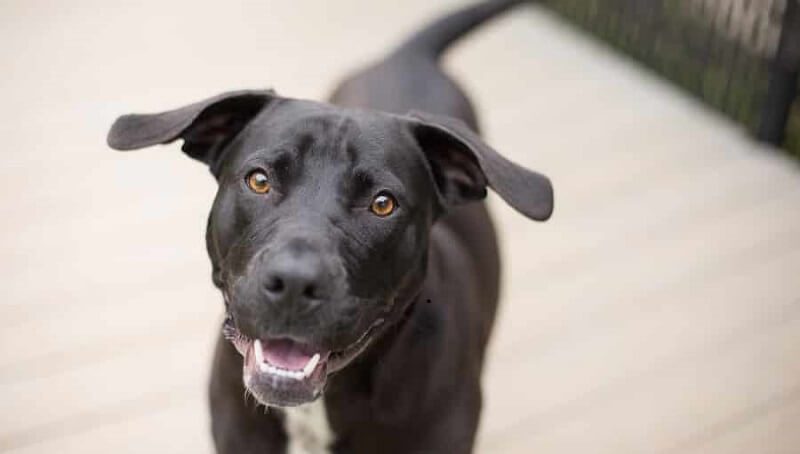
[
  {"x": 283, "y": 381},
  {"x": 338, "y": 359},
  {"x": 276, "y": 386},
  {"x": 273, "y": 360}
]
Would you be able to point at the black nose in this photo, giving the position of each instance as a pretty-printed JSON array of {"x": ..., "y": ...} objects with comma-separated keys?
[{"x": 293, "y": 277}]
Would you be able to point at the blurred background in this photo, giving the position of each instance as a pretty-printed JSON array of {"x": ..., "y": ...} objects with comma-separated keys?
[{"x": 657, "y": 312}]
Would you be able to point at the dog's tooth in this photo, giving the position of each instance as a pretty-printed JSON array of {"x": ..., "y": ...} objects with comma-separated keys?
[
  {"x": 263, "y": 367},
  {"x": 311, "y": 365},
  {"x": 258, "y": 351}
]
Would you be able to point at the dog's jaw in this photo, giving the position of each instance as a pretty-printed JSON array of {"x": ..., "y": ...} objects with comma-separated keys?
[
  {"x": 277, "y": 378},
  {"x": 284, "y": 373}
]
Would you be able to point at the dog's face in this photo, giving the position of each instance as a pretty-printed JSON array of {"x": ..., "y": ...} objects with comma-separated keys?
[{"x": 318, "y": 235}]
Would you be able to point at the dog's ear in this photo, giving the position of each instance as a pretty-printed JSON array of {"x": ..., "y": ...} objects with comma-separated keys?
[
  {"x": 206, "y": 127},
  {"x": 463, "y": 165}
]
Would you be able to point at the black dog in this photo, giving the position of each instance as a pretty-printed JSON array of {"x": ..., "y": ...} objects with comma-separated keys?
[{"x": 353, "y": 254}]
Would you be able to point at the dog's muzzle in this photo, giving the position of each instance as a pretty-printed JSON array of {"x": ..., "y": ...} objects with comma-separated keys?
[{"x": 283, "y": 372}]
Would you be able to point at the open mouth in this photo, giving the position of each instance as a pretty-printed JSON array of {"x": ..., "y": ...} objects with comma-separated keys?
[{"x": 283, "y": 372}]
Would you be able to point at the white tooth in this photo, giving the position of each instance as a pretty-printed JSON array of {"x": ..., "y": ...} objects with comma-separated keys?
[
  {"x": 258, "y": 351},
  {"x": 264, "y": 367},
  {"x": 311, "y": 365}
]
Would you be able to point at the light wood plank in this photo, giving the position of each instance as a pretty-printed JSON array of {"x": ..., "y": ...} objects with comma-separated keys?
[
  {"x": 769, "y": 429},
  {"x": 161, "y": 369},
  {"x": 178, "y": 426},
  {"x": 538, "y": 379},
  {"x": 672, "y": 403},
  {"x": 632, "y": 275}
]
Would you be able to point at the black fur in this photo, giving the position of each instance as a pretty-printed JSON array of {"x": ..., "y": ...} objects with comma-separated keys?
[{"x": 430, "y": 269}]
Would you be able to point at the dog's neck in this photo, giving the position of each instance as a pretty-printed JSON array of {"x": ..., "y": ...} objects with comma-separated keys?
[{"x": 307, "y": 428}]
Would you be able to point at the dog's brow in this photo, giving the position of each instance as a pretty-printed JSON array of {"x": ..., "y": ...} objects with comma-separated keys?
[
  {"x": 343, "y": 131},
  {"x": 303, "y": 142},
  {"x": 360, "y": 180}
]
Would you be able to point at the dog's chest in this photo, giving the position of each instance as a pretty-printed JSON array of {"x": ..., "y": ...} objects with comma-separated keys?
[{"x": 307, "y": 429}]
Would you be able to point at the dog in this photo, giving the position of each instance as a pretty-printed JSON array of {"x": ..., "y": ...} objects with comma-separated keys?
[{"x": 357, "y": 262}]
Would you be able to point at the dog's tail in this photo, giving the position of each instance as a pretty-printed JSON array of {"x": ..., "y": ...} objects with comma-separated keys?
[{"x": 434, "y": 39}]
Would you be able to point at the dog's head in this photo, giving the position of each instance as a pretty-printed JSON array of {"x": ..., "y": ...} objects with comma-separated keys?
[{"x": 318, "y": 235}]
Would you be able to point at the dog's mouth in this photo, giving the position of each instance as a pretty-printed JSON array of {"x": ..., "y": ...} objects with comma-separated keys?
[{"x": 283, "y": 372}]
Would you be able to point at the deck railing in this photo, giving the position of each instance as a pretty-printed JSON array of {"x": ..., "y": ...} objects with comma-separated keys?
[{"x": 740, "y": 56}]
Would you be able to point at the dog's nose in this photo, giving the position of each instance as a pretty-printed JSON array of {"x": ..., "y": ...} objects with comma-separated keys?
[{"x": 296, "y": 278}]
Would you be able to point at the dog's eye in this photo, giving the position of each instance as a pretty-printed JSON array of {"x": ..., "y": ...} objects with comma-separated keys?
[
  {"x": 383, "y": 204},
  {"x": 258, "y": 182}
]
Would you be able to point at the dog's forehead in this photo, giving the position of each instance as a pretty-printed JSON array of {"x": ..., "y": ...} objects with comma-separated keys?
[
  {"x": 330, "y": 130},
  {"x": 333, "y": 138}
]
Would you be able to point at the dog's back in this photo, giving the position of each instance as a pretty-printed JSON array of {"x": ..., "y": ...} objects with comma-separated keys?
[{"x": 410, "y": 78}]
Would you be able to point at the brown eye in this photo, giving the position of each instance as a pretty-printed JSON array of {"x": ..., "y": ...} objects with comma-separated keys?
[
  {"x": 257, "y": 182},
  {"x": 383, "y": 205}
]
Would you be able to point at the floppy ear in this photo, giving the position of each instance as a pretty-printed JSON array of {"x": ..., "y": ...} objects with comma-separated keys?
[
  {"x": 464, "y": 165},
  {"x": 206, "y": 127}
]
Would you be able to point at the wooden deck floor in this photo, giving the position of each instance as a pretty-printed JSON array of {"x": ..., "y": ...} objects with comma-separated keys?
[{"x": 658, "y": 312}]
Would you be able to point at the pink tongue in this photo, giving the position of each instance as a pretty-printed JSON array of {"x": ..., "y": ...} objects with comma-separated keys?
[{"x": 286, "y": 354}]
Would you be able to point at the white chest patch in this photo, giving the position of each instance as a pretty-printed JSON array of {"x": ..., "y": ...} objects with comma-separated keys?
[{"x": 307, "y": 429}]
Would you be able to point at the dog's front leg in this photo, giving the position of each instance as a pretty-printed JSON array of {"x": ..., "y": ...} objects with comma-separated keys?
[
  {"x": 239, "y": 424},
  {"x": 455, "y": 434}
]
